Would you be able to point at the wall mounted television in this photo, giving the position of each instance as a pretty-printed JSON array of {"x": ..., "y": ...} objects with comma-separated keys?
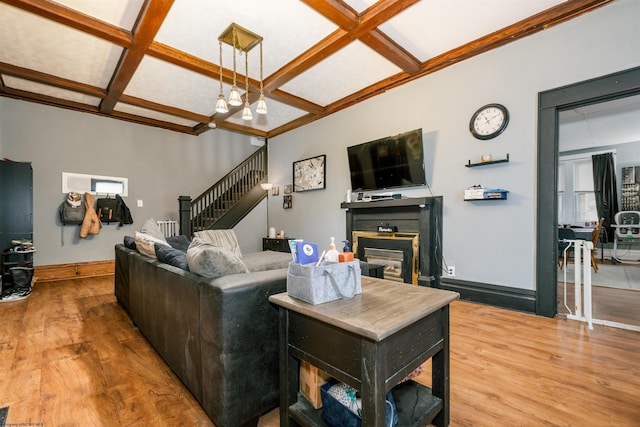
[{"x": 391, "y": 162}]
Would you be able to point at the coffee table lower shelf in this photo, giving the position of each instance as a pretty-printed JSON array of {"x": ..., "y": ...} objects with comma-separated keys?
[{"x": 415, "y": 404}]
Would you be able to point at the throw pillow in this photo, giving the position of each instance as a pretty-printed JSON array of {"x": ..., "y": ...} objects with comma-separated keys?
[
  {"x": 222, "y": 238},
  {"x": 208, "y": 260},
  {"x": 145, "y": 244},
  {"x": 171, "y": 256},
  {"x": 130, "y": 242},
  {"x": 150, "y": 227},
  {"x": 180, "y": 242}
]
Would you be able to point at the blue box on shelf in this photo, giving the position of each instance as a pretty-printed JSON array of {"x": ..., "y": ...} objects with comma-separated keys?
[{"x": 495, "y": 193}]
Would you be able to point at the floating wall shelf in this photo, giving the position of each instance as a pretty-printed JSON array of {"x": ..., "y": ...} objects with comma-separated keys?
[{"x": 491, "y": 162}]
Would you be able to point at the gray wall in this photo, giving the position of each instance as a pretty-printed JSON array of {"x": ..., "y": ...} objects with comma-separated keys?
[
  {"x": 488, "y": 242},
  {"x": 160, "y": 165}
]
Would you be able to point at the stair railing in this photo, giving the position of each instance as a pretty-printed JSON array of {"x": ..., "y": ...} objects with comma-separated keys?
[{"x": 207, "y": 208}]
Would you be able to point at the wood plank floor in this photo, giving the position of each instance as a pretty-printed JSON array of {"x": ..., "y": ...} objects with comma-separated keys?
[{"x": 71, "y": 357}]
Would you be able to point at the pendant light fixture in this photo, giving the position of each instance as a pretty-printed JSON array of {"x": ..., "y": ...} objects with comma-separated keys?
[
  {"x": 262, "y": 105},
  {"x": 234, "y": 95},
  {"x": 246, "y": 113},
  {"x": 221, "y": 104},
  {"x": 242, "y": 40}
]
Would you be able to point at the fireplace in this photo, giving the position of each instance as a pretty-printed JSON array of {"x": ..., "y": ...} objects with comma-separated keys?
[
  {"x": 402, "y": 235},
  {"x": 396, "y": 252}
]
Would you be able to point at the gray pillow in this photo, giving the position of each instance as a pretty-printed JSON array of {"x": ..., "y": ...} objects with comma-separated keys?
[
  {"x": 172, "y": 256},
  {"x": 181, "y": 242},
  {"x": 208, "y": 260},
  {"x": 150, "y": 227}
]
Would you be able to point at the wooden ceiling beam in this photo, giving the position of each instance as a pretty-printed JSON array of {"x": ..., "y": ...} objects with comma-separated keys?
[
  {"x": 385, "y": 46},
  {"x": 151, "y": 122},
  {"x": 364, "y": 26},
  {"x": 321, "y": 50},
  {"x": 336, "y": 11},
  {"x": 188, "y": 61},
  {"x": 74, "y": 19},
  {"x": 539, "y": 22},
  {"x": 48, "y": 79},
  {"x": 48, "y": 100},
  {"x": 295, "y": 101},
  {"x": 149, "y": 24},
  {"x": 164, "y": 109}
]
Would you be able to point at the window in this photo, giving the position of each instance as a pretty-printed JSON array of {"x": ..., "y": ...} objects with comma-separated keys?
[
  {"x": 576, "y": 197},
  {"x": 584, "y": 197},
  {"x": 106, "y": 186},
  {"x": 95, "y": 184}
]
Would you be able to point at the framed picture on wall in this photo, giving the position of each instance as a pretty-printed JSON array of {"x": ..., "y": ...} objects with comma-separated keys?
[
  {"x": 287, "y": 202},
  {"x": 309, "y": 174},
  {"x": 287, "y": 189}
]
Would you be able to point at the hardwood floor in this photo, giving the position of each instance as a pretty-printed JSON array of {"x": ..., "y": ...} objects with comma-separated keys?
[{"x": 71, "y": 357}]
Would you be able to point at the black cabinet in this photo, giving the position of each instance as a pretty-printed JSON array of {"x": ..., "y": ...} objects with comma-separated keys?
[
  {"x": 278, "y": 245},
  {"x": 12, "y": 259},
  {"x": 16, "y": 213}
]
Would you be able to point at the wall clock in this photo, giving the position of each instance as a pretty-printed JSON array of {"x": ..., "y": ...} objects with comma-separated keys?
[{"x": 489, "y": 121}]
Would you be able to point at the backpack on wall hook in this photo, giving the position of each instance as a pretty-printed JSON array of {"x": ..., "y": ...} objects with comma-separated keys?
[
  {"x": 107, "y": 209},
  {"x": 72, "y": 210}
]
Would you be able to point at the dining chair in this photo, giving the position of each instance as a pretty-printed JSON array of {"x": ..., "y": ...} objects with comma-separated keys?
[{"x": 595, "y": 238}]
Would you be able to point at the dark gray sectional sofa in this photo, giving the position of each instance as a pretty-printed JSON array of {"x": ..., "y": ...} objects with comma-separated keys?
[{"x": 220, "y": 335}]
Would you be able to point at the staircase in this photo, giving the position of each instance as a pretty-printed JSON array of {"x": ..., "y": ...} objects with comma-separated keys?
[{"x": 229, "y": 200}]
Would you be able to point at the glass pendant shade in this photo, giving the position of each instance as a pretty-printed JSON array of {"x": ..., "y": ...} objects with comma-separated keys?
[
  {"x": 262, "y": 105},
  {"x": 246, "y": 113},
  {"x": 234, "y": 96},
  {"x": 221, "y": 105}
]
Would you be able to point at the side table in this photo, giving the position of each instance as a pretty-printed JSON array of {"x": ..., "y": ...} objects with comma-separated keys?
[
  {"x": 369, "y": 342},
  {"x": 276, "y": 244}
]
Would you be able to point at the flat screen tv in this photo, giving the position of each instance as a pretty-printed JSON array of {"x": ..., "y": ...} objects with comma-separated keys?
[{"x": 391, "y": 162}]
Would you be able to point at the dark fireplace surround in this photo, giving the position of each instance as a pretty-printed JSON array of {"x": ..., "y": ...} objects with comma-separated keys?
[{"x": 404, "y": 218}]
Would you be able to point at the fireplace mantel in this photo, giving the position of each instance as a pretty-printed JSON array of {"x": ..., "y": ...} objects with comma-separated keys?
[{"x": 422, "y": 215}]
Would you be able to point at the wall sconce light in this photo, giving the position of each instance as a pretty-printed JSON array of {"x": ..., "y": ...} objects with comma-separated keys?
[{"x": 266, "y": 186}]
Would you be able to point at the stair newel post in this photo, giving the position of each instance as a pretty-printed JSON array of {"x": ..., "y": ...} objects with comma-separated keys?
[{"x": 184, "y": 203}]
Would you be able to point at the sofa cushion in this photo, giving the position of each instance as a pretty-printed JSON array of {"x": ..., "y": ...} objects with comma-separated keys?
[
  {"x": 171, "y": 256},
  {"x": 150, "y": 227},
  {"x": 222, "y": 238},
  {"x": 180, "y": 242},
  {"x": 145, "y": 244},
  {"x": 266, "y": 260},
  {"x": 209, "y": 260}
]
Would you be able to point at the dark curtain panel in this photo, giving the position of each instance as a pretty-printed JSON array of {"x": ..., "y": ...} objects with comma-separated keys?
[{"x": 604, "y": 185}]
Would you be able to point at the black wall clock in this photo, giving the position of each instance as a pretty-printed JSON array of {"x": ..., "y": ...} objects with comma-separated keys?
[{"x": 489, "y": 121}]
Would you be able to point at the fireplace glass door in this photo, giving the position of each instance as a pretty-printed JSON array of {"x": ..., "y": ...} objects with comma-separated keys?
[{"x": 396, "y": 252}]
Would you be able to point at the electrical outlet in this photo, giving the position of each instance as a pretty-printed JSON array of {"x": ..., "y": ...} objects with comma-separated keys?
[{"x": 451, "y": 271}]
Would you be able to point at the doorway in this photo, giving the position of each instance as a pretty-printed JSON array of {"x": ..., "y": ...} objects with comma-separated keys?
[
  {"x": 550, "y": 104},
  {"x": 609, "y": 129}
]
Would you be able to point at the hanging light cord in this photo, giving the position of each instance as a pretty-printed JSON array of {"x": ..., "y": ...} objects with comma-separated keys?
[
  {"x": 234, "y": 57},
  {"x": 246, "y": 75},
  {"x": 261, "y": 93},
  {"x": 220, "y": 42}
]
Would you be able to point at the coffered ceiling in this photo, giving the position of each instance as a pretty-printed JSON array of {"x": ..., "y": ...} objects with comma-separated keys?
[{"x": 156, "y": 62}]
